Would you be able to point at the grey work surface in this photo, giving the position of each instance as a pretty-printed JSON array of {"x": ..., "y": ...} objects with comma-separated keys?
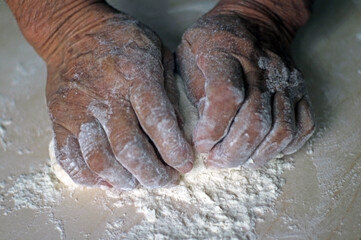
[{"x": 321, "y": 198}]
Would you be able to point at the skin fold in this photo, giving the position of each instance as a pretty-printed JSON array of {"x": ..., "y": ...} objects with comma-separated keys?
[{"x": 112, "y": 97}]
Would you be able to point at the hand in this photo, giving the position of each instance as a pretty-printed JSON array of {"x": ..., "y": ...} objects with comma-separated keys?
[
  {"x": 113, "y": 122},
  {"x": 251, "y": 98}
]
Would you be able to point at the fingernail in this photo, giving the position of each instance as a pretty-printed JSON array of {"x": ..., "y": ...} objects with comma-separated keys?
[
  {"x": 185, "y": 168},
  {"x": 105, "y": 184}
]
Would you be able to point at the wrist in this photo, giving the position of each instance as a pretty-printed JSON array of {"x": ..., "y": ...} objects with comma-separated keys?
[
  {"x": 47, "y": 25},
  {"x": 275, "y": 21}
]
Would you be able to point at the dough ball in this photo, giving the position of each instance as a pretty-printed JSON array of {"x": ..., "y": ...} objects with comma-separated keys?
[{"x": 62, "y": 176}]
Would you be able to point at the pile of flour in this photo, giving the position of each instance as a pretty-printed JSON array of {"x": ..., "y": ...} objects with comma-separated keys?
[{"x": 225, "y": 203}]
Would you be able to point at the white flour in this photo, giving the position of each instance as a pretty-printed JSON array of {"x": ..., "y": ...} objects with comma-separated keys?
[
  {"x": 207, "y": 204},
  {"x": 36, "y": 191},
  {"x": 225, "y": 203}
]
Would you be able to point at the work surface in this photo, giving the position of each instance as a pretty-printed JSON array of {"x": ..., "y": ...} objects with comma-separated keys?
[{"x": 321, "y": 197}]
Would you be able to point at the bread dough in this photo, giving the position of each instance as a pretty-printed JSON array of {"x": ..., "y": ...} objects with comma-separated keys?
[{"x": 58, "y": 170}]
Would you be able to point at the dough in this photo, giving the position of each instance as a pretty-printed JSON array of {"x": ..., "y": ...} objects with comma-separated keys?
[{"x": 58, "y": 170}]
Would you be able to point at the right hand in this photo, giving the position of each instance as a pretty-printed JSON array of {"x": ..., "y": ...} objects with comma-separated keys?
[
  {"x": 113, "y": 122},
  {"x": 251, "y": 98}
]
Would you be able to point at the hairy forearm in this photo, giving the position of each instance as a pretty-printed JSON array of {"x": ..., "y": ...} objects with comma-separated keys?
[{"x": 47, "y": 23}]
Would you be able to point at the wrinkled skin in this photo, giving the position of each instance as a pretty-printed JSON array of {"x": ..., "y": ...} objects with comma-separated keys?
[
  {"x": 107, "y": 96},
  {"x": 251, "y": 99}
]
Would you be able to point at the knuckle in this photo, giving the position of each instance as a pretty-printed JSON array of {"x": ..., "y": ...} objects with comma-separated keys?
[
  {"x": 62, "y": 99},
  {"x": 161, "y": 117},
  {"x": 166, "y": 125},
  {"x": 130, "y": 150},
  {"x": 190, "y": 35},
  {"x": 230, "y": 93}
]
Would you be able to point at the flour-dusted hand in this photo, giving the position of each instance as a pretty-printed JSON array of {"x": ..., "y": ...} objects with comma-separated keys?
[
  {"x": 108, "y": 79},
  {"x": 110, "y": 109},
  {"x": 251, "y": 98}
]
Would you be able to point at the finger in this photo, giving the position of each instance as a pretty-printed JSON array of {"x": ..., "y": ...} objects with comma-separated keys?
[
  {"x": 190, "y": 73},
  {"x": 250, "y": 126},
  {"x": 99, "y": 157},
  {"x": 157, "y": 118},
  {"x": 305, "y": 125},
  {"x": 69, "y": 157},
  {"x": 170, "y": 84},
  {"x": 280, "y": 135},
  {"x": 133, "y": 150},
  {"x": 224, "y": 96}
]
